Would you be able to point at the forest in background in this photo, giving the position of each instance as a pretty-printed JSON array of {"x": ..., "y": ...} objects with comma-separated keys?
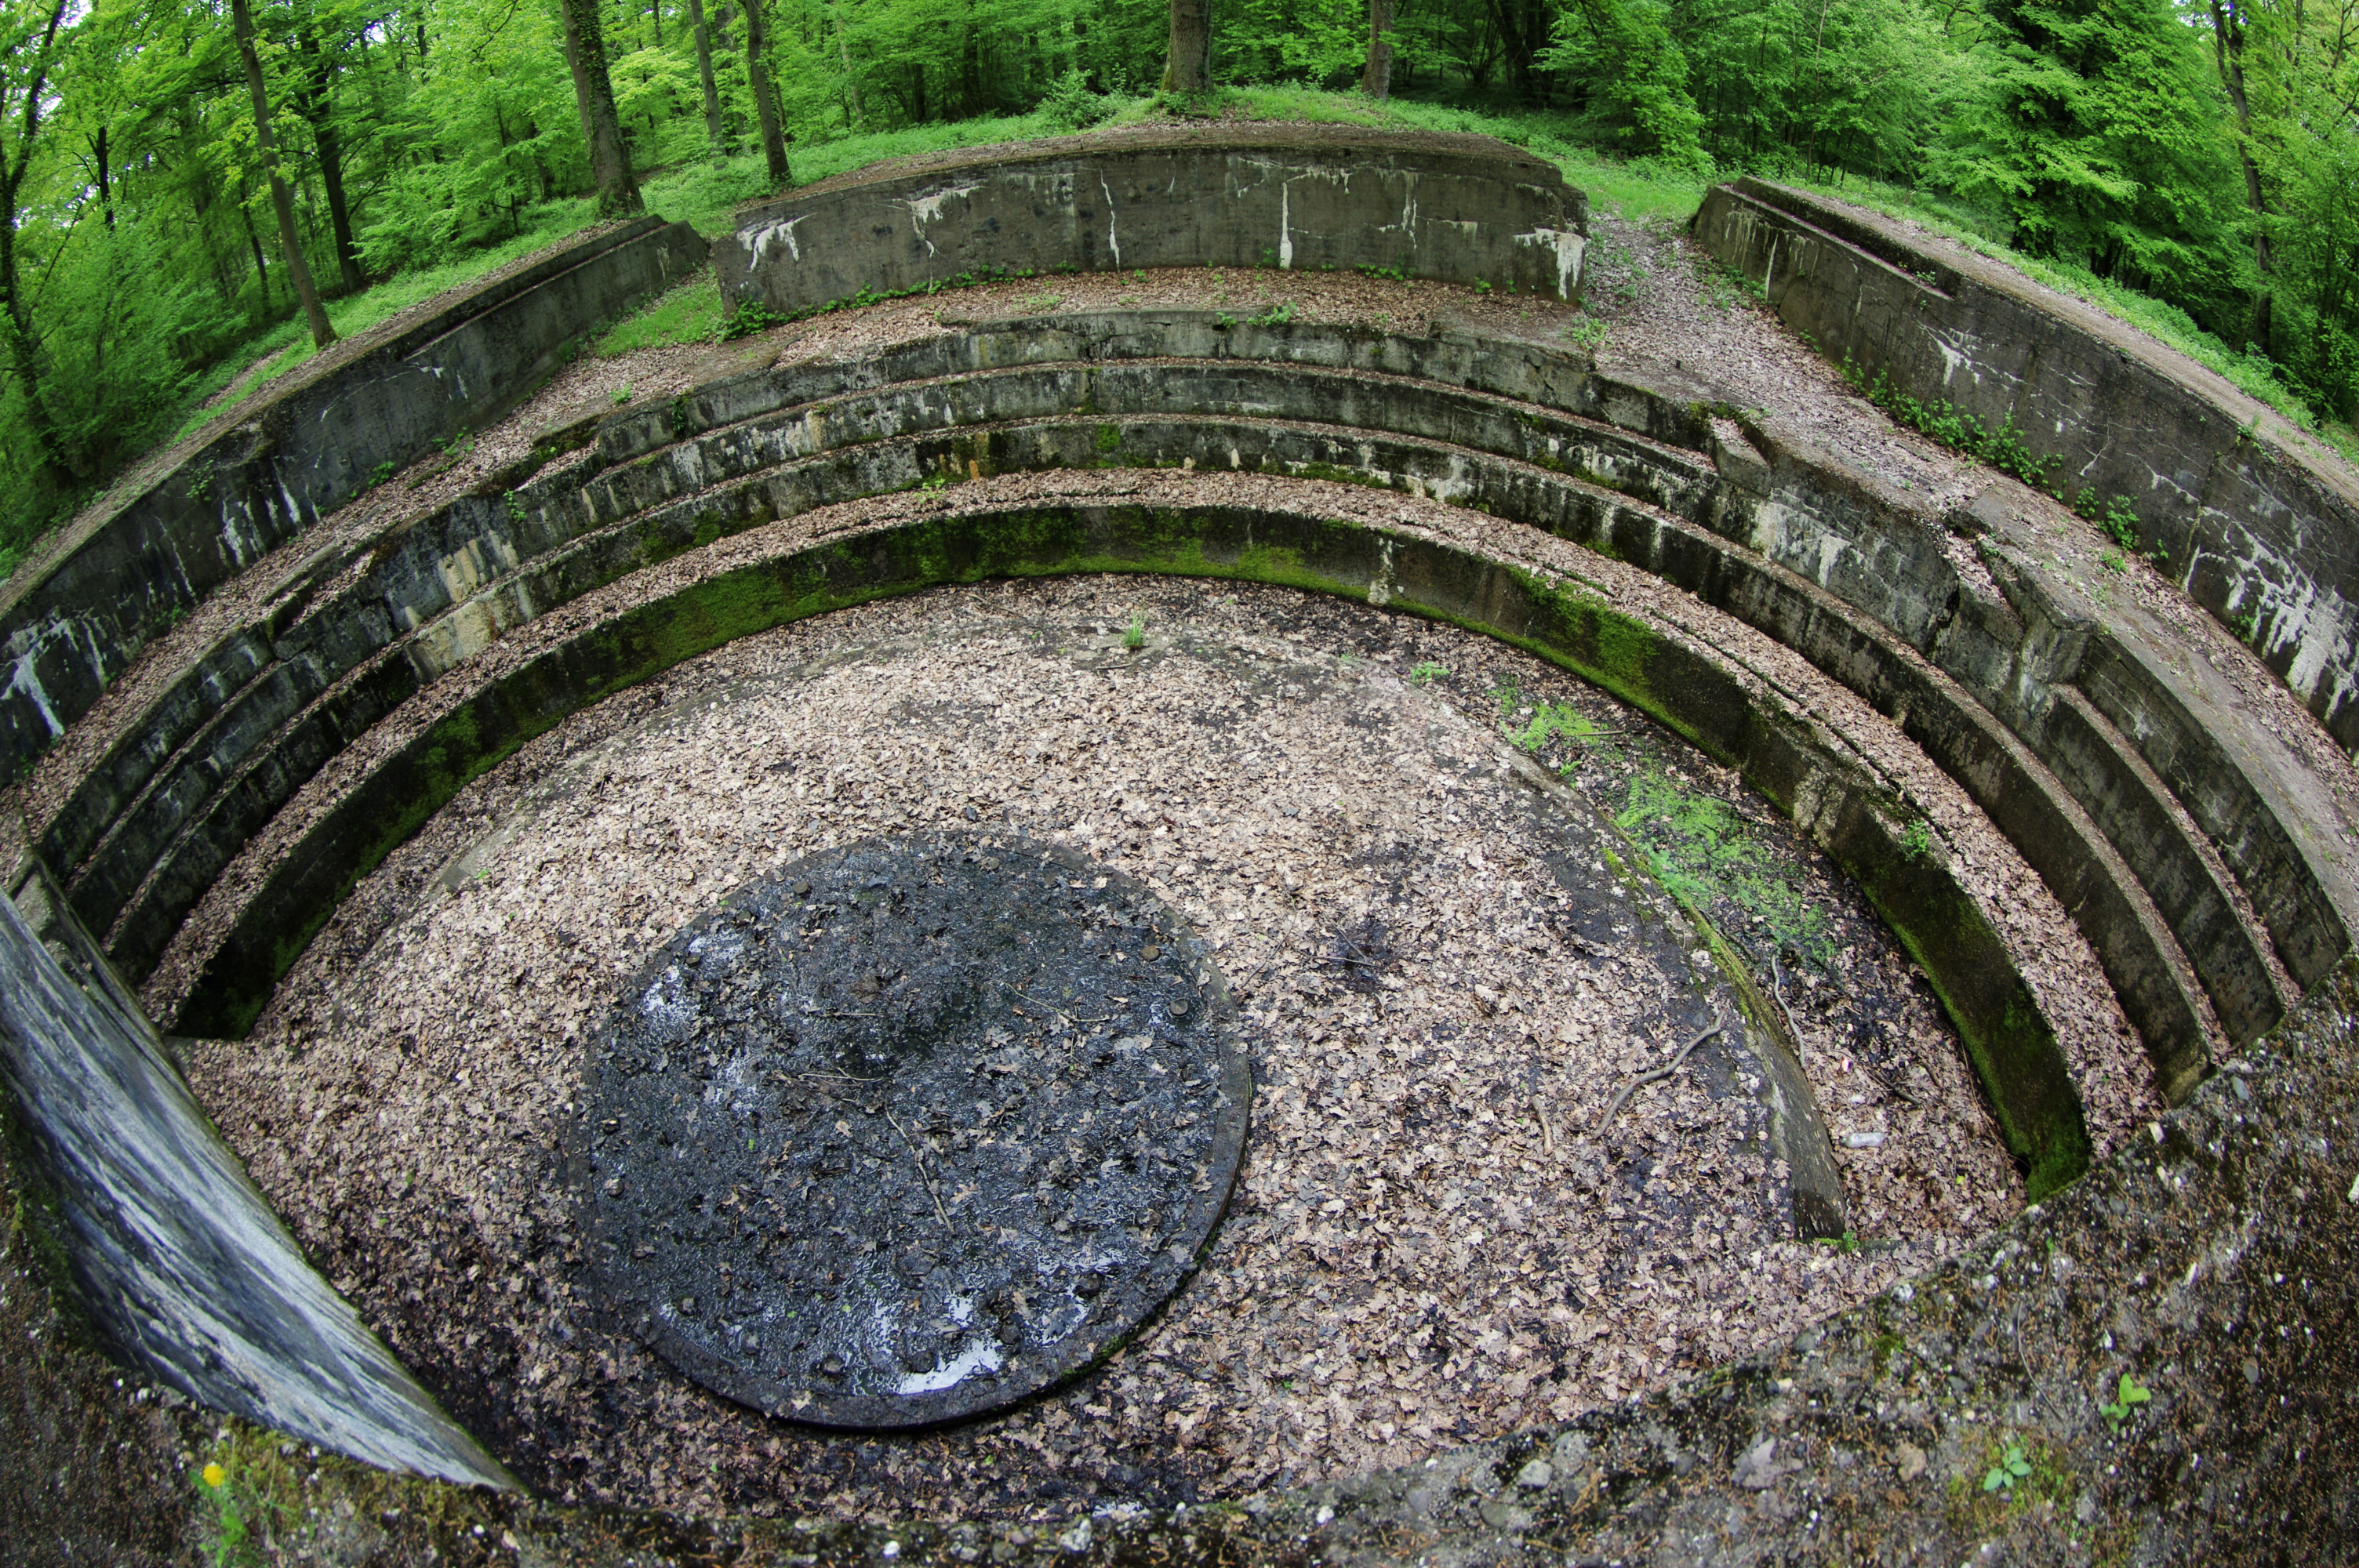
[{"x": 2194, "y": 165}]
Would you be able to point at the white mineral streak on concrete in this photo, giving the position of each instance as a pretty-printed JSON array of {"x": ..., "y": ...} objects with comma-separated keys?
[
  {"x": 24, "y": 678},
  {"x": 1408, "y": 224},
  {"x": 1569, "y": 248},
  {"x": 759, "y": 241},
  {"x": 927, "y": 209},
  {"x": 1380, "y": 588},
  {"x": 2294, "y": 611},
  {"x": 1113, "y": 243},
  {"x": 1953, "y": 357},
  {"x": 194, "y": 1271},
  {"x": 1285, "y": 225}
]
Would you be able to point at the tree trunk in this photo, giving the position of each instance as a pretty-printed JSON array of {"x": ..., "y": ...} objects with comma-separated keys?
[
  {"x": 1523, "y": 32},
  {"x": 766, "y": 106},
  {"x": 1189, "y": 73},
  {"x": 851, "y": 83},
  {"x": 261, "y": 267},
  {"x": 1376, "y": 80},
  {"x": 714, "y": 131},
  {"x": 602, "y": 127},
  {"x": 2228, "y": 51},
  {"x": 105, "y": 195},
  {"x": 319, "y": 111},
  {"x": 290, "y": 242}
]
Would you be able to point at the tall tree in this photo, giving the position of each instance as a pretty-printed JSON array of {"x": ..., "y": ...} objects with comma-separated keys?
[
  {"x": 1376, "y": 77},
  {"x": 290, "y": 242},
  {"x": 2230, "y": 28},
  {"x": 316, "y": 102},
  {"x": 1189, "y": 73},
  {"x": 716, "y": 131},
  {"x": 28, "y": 51},
  {"x": 602, "y": 127},
  {"x": 766, "y": 102}
]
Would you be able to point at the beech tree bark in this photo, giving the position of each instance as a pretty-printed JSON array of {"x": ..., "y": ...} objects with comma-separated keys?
[
  {"x": 594, "y": 92},
  {"x": 715, "y": 130},
  {"x": 766, "y": 104},
  {"x": 1376, "y": 80},
  {"x": 290, "y": 242},
  {"x": 1190, "y": 72}
]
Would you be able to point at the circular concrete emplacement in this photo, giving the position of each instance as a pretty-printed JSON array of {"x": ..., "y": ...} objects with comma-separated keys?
[{"x": 909, "y": 1129}]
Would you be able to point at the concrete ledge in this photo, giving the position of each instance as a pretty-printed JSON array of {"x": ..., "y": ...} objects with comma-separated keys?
[
  {"x": 2253, "y": 524},
  {"x": 464, "y": 576},
  {"x": 69, "y": 623},
  {"x": 1458, "y": 208},
  {"x": 2023, "y": 1069}
]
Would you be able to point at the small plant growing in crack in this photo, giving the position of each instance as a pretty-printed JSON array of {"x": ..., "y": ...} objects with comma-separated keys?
[
  {"x": 1917, "y": 841},
  {"x": 1136, "y": 638},
  {"x": 2128, "y": 1397},
  {"x": 1426, "y": 672},
  {"x": 2012, "y": 1467}
]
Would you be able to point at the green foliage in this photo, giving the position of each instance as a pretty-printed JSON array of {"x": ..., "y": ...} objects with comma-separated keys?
[
  {"x": 2003, "y": 448},
  {"x": 1702, "y": 851},
  {"x": 2013, "y": 1466},
  {"x": 1426, "y": 672},
  {"x": 689, "y": 313},
  {"x": 1070, "y": 105},
  {"x": 1917, "y": 841},
  {"x": 1633, "y": 79},
  {"x": 2128, "y": 1397},
  {"x": 1553, "y": 721},
  {"x": 2121, "y": 523},
  {"x": 1136, "y": 638}
]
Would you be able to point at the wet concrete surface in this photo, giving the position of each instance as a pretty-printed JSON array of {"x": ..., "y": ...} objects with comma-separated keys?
[{"x": 909, "y": 1129}]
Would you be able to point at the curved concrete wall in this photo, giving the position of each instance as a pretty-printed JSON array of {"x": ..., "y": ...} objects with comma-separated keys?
[
  {"x": 73, "y": 617},
  {"x": 2177, "y": 838},
  {"x": 175, "y": 1255},
  {"x": 2087, "y": 746},
  {"x": 1458, "y": 208},
  {"x": 2256, "y": 521}
]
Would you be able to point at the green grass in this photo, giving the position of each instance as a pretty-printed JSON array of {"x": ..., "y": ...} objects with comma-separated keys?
[
  {"x": 689, "y": 313},
  {"x": 1636, "y": 190}
]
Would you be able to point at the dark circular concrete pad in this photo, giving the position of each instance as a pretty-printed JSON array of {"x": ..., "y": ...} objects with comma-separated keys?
[{"x": 909, "y": 1129}]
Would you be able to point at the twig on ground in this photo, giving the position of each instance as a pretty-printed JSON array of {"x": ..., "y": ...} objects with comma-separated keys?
[
  {"x": 914, "y": 1154},
  {"x": 1643, "y": 1079}
]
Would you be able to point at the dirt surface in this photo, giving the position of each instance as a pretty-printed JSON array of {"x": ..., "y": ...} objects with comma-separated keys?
[
  {"x": 98, "y": 1457},
  {"x": 1433, "y": 1240}
]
